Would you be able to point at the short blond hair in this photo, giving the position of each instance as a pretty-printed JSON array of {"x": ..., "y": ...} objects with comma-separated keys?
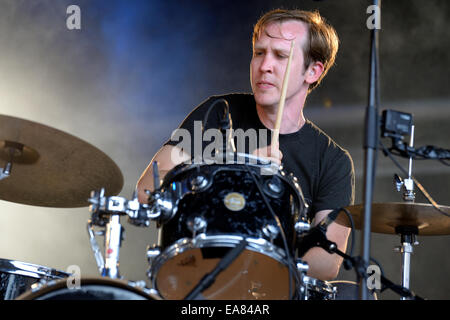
[{"x": 322, "y": 43}]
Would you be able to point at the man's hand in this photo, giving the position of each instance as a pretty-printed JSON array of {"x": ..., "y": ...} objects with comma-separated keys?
[
  {"x": 271, "y": 152},
  {"x": 167, "y": 157}
]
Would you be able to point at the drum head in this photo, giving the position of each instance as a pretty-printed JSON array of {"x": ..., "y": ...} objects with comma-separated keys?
[
  {"x": 89, "y": 289},
  {"x": 251, "y": 276}
]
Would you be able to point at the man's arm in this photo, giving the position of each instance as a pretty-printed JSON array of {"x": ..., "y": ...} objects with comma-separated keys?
[
  {"x": 323, "y": 265},
  {"x": 167, "y": 157}
]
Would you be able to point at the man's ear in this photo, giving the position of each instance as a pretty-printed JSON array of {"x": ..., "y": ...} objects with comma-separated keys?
[{"x": 314, "y": 72}]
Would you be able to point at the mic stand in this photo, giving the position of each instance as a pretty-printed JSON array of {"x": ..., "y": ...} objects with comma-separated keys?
[
  {"x": 360, "y": 267},
  {"x": 209, "y": 278},
  {"x": 370, "y": 146}
]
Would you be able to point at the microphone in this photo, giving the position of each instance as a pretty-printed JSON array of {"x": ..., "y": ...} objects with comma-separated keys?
[
  {"x": 316, "y": 237},
  {"x": 227, "y": 124}
]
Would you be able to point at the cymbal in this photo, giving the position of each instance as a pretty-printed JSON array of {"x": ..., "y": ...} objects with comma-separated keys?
[
  {"x": 51, "y": 168},
  {"x": 387, "y": 216}
]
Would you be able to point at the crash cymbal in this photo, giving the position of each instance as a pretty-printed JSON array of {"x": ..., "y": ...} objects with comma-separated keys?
[
  {"x": 51, "y": 168},
  {"x": 387, "y": 216}
]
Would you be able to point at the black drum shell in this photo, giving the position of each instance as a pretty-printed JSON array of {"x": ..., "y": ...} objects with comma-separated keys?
[{"x": 208, "y": 203}]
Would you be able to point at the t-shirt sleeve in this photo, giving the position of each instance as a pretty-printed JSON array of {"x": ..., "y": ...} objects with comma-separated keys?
[{"x": 337, "y": 181}]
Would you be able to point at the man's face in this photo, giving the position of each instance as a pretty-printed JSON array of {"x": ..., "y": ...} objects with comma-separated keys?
[{"x": 270, "y": 58}]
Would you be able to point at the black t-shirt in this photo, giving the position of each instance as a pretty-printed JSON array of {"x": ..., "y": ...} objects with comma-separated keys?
[{"x": 324, "y": 170}]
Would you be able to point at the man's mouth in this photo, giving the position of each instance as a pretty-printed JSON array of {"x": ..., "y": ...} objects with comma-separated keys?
[{"x": 265, "y": 85}]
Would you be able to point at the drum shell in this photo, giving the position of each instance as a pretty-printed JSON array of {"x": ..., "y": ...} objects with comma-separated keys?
[
  {"x": 16, "y": 277},
  {"x": 250, "y": 221}
]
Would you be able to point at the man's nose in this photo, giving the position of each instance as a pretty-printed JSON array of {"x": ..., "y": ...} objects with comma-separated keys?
[{"x": 266, "y": 64}]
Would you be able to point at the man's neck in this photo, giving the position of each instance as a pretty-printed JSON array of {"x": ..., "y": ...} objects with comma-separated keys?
[{"x": 291, "y": 121}]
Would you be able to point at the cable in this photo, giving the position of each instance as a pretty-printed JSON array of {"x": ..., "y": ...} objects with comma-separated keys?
[
  {"x": 444, "y": 162},
  {"x": 292, "y": 274},
  {"x": 419, "y": 185},
  {"x": 352, "y": 231},
  {"x": 226, "y": 110},
  {"x": 347, "y": 264}
]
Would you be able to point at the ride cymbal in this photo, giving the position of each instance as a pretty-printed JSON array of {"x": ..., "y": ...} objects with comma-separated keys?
[
  {"x": 51, "y": 168},
  {"x": 386, "y": 217}
]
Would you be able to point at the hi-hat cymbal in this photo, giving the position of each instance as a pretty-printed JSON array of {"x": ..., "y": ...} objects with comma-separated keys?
[
  {"x": 51, "y": 168},
  {"x": 387, "y": 216}
]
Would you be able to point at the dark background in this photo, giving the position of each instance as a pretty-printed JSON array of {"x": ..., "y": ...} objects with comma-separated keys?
[{"x": 136, "y": 68}]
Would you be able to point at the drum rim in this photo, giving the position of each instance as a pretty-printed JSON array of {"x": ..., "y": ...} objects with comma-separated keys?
[
  {"x": 258, "y": 245},
  {"x": 314, "y": 281},
  {"x": 31, "y": 270},
  {"x": 53, "y": 285},
  {"x": 189, "y": 164},
  {"x": 278, "y": 170}
]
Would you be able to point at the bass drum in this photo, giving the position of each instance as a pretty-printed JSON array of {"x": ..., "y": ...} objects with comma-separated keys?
[
  {"x": 89, "y": 289},
  {"x": 217, "y": 206},
  {"x": 16, "y": 277}
]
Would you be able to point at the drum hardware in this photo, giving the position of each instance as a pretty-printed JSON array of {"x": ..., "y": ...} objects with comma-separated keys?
[
  {"x": 17, "y": 277},
  {"x": 348, "y": 290},
  {"x": 360, "y": 267},
  {"x": 14, "y": 152},
  {"x": 196, "y": 225},
  {"x": 271, "y": 232},
  {"x": 273, "y": 187},
  {"x": 106, "y": 213},
  {"x": 302, "y": 268},
  {"x": 408, "y": 183},
  {"x": 315, "y": 289},
  {"x": 408, "y": 239},
  {"x": 198, "y": 183},
  {"x": 407, "y": 233},
  {"x": 301, "y": 227},
  {"x": 162, "y": 204},
  {"x": 316, "y": 237},
  {"x": 153, "y": 252}
]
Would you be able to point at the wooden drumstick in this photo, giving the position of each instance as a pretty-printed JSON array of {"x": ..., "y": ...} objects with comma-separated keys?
[{"x": 276, "y": 130}]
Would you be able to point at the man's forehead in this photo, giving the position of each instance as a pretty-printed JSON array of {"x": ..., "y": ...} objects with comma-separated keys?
[{"x": 286, "y": 30}]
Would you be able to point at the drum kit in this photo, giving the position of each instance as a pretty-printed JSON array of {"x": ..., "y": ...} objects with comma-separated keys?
[{"x": 226, "y": 232}]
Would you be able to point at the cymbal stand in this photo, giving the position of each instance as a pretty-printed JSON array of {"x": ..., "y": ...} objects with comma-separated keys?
[
  {"x": 103, "y": 215},
  {"x": 408, "y": 183},
  {"x": 407, "y": 233},
  {"x": 408, "y": 239}
]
